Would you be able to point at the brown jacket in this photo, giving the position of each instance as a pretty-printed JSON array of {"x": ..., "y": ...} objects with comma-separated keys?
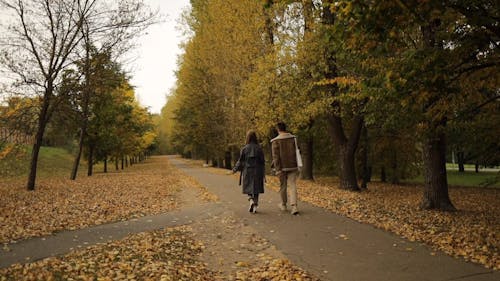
[{"x": 283, "y": 151}]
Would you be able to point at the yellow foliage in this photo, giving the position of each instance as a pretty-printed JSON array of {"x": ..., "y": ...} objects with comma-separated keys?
[
  {"x": 343, "y": 81},
  {"x": 5, "y": 151}
]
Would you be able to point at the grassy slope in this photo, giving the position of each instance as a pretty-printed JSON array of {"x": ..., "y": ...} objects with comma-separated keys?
[{"x": 52, "y": 161}]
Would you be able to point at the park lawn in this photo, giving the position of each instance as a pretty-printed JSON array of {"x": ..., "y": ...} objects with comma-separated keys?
[
  {"x": 467, "y": 178},
  {"x": 471, "y": 178}
]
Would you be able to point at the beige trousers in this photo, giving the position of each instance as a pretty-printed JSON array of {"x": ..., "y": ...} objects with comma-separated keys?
[{"x": 288, "y": 184}]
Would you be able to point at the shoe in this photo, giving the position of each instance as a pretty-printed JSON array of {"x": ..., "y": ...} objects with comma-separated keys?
[
  {"x": 282, "y": 207},
  {"x": 252, "y": 206},
  {"x": 294, "y": 210}
]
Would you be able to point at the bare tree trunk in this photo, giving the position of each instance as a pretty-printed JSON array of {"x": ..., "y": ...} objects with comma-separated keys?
[
  {"x": 346, "y": 149},
  {"x": 394, "y": 167},
  {"x": 365, "y": 173},
  {"x": 76, "y": 163},
  {"x": 43, "y": 119},
  {"x": 436, "y": 185},
  {"x": 105, "y": 164},
  {"x": 227, "y": 160},
  {"x": 90, "y": 163},
  {"x": 42, "y": 124},
  {"x": 307, "y": 157},
  {"x": 461, "y": 160}
]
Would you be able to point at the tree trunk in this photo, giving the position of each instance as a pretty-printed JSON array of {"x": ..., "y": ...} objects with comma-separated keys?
[
  {"x": 76, "y": 163},
  {"x": 123, "y": 161},
  {"x": 90, "y": 163},
  {"x": 394, "y": 167},
  {"x": 476, "y": 167},
  {"x": 436, "y": 185},
  {"x": 346, "y": 149},
  {"x": 85, "y": 113},
  {"x": 227, "y": 160},
  {"x": 116, "y": 164},
  {"x": 307, "y": 157},
  {"x": 105, "y": 164},
  {"x": 461, "y": 160},
  {"x": 34, "y": 155},
  {"x": 348, "y": 178},
  {"x": 269, "y": 26},
  {"x": 42, "y": 124},
  {"x": 346, "y": 146},
  {"x": 383, "y": 176},
  {"x": 365, "y": 173}
]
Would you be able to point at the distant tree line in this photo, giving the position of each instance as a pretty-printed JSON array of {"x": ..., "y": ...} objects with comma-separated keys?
[
  {"x": 382, "y": 89},
  {"x": 65, "y": 82}
]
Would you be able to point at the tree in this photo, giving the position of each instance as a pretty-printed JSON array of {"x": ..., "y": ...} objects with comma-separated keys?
[
  {"x": 345, "y": 101},
  {"x": 418, "y": 52},
  {"x": 46, "y": 32},
  {"x": 106, "y": 33},
  {"x": 218, "y": 59},
  {"x": 41, "y": 42}
]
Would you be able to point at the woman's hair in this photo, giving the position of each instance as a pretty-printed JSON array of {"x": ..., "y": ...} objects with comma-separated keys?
[{"x": 251, "y": 137}]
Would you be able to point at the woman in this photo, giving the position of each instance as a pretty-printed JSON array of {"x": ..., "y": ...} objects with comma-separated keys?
[{"x": 252, "y": 167}]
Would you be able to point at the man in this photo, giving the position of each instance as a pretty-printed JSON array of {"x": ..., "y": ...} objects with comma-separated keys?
[{"x": 285, "y": 164}]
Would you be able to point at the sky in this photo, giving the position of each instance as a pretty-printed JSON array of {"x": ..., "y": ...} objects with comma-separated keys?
[{"x": 155, "y": 59}]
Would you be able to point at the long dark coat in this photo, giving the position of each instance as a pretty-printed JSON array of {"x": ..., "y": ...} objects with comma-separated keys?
[{"x": 252, "y": 167}]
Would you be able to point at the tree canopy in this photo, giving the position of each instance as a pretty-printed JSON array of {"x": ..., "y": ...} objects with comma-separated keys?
[{"x": 397, "y": 76}]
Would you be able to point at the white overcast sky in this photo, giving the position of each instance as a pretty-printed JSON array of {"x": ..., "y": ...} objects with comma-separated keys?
[{"x": 156, "y": 56}]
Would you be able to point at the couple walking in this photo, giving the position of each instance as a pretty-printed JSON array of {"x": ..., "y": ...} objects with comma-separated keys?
[{"x": 284, "y": 161}]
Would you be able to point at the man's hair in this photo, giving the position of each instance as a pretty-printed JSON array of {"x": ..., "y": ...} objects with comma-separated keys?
[
  {"x": 281, "y": 126},
  {"x": 251, "y": 137}
]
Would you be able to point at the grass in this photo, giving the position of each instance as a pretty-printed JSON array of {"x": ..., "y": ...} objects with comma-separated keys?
[
  {"x": 52, "y": 162},
  {"x": 467, "y": 178}
]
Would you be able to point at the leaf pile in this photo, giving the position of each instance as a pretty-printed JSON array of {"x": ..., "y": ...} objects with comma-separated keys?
[
  {"x": 168, "y": 255},
  {"x": 57, "y": 204},
  {"x": 472, "y": 232},
  {"x": 275, "y": 270}
]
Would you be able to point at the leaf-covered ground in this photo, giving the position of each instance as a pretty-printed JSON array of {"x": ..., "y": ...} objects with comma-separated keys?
[
  {"x": 170, "y": 254},
  {"x": 61, "y": 204}
]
